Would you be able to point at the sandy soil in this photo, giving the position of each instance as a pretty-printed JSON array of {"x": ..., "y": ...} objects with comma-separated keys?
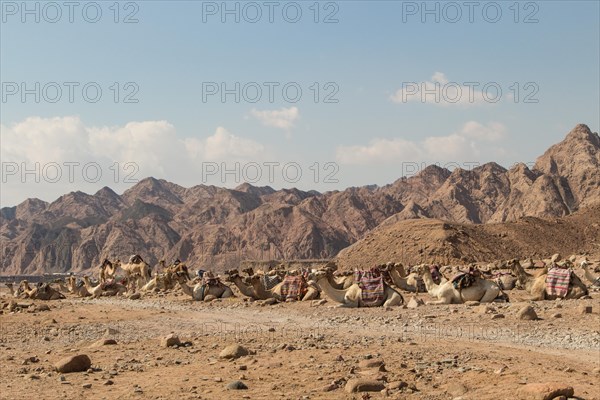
[{"x": 298, "y": 350}]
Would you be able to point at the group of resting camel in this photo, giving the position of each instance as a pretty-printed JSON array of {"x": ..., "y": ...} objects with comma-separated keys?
[{"x": 448, "y": 285}]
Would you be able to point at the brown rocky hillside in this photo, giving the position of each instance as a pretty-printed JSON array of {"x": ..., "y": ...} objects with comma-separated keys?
[{"x": 216, "y": 227}]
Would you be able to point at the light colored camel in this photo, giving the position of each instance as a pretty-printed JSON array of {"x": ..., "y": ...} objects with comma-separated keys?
[
  {"x": 536, "y": 286},
  {"x": 481, "y": 290},
  {"x": 200, "y": 291},
  {"x": 80, "y": 291},
  {"x": 352, "y": 296},
  {"x": 594, "y": 280},
  {"x": 99, "y": 290},
  {"x": 42, "y": 291},
  {"x": 137, "y": 266}
]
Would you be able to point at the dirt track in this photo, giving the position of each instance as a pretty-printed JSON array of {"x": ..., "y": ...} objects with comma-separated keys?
[{"x": 431, "y": 352}]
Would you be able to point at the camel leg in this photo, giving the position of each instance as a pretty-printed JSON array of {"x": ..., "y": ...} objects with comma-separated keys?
[
  {"x": 443, "y": 300},
  {"x": 395, "y": 300},
  {"x": 489, "y": 295}
]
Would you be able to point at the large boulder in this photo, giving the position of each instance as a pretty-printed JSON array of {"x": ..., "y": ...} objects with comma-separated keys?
[
  {"x": 545, "y": 391},
  {"x": 364, "y": 385},
  {"x": 78, "y": 363}
]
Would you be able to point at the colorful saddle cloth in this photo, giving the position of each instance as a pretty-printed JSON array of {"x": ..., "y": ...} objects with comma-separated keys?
[
  {"x": 465, "y": 279},
  {"x": 371, "y": 285},
  {"x": 557, "y": 281},
  {"x": 294, "y": 287}
]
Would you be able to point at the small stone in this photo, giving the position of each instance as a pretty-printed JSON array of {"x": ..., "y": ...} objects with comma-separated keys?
[
  {"x": 104, "y": 342},
  {"x": 236, "y": 385},
  {"x": 363, "y": 385},
  {"x": 472, "y": 303},
  {"x": 415, "y": 302},
  {"x": 585, "y": 309},
  {"x": 557, "y": 315},
  {"x": 86, "y": 385},
  {"x": 527, "y": 313},
  {"x": 372, "y": 363},
  {"x": 233, "y": 351},
  {"x": 78, "y": 363},
  {"x": 243, "y": 367},
  {"x": 170, "y": 341},
  {"x": 497, "y": 316},
  {"x": 108, "y": 382},
  {"x": 135, "y": 296}
]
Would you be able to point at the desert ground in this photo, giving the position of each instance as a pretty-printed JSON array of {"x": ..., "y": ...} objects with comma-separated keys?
[{"x": 303, "y": 350}]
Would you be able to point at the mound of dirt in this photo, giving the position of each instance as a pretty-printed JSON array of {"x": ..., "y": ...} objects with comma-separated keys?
[{"x": 431, "y": 240}]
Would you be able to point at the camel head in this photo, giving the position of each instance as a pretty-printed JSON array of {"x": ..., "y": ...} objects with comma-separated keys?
[
  {"x": 231, "y": 275},
  {"x": 321, "y": 273}
]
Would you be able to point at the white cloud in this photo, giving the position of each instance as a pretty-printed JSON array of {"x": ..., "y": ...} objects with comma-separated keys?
[
  {"x": 153, "y": 147},
  {"x": 466, "y": 144},
  {"x": 282, "y": 119},
  {"x": 442, "y": 92}
]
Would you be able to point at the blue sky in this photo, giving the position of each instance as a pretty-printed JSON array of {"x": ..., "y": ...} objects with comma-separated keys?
[{"x": 372, "y": 134}]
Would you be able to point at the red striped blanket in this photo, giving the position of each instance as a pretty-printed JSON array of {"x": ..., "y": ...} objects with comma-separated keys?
[
  {"x": 557, "y": 281},
  {"x": 371, "y": 285},
  {"x": 294, "y": 287}
]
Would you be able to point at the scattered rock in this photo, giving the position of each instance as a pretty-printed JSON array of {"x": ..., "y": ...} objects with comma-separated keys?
[
  {"x": 545, "y": 391},
  {"x": 135, "y": 296},
  {"x": 364, "y": 385},
  {"x": 236, "y": 385},
  {"x": 78, "y": 363},
  {"x": 108, "y": 382},
  {"x": 557, "y": 315},
  {"x": 170, "y": 341},
  {"x": 497, "y": 316},
  {"x": 415, "y": 302},
  {"x": 585, "y": 309},
  {"x": 373, "y": 363},
  {"x": 472, "y": 303},
  {"x": 86, "y": 385},
  {"x": 527, "y": 313},
  {"x": 104, "y": 342},
  {"x": 233, "y": 351}
]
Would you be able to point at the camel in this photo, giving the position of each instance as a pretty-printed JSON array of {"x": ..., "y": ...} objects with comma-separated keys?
[
  {"x": 137, "y": 266},
  {"x": 210, "y": 286},
  {"x": 399, "y": 278},
  {"x": 79, "y": 291},
  {"x": 595, "y": 281},
  {"x": 352, "y": 296},
  {"x": 481, "y": 290},
  {"x": 42, "y": 291},
  {"x": 15, "y": 292},
  {"x": 102, "y": 289},
  {"x": 108, "y": 270},
  {"x": 247, "y": 290},
  {"x": 263, "y": 294},
  {"x": 536, "y": 286}
]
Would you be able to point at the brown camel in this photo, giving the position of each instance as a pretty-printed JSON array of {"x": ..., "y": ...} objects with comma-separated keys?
[
  {"x": 77, "y": 290},
  {"x": 137, "y": 265},
  {"x": 536, "y": 286},
  {"x": 312, "y": 291},
  {"x": 108, "y": 270},
  {"x": 102, "y": 289},
  {"x": 244, "y": 288},
  {"x": 42, "y": 291}
]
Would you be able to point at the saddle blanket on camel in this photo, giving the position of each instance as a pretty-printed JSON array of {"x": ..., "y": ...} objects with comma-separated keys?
[
  {"x": 294, "y": 287},
  {"x": 465, "y": 279},
  {"x": 371, "y": 286},
  {"x": 557, "y": 281}
]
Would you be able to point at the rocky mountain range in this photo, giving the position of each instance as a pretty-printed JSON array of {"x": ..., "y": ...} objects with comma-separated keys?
[{"x": 215, "y": 227}]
